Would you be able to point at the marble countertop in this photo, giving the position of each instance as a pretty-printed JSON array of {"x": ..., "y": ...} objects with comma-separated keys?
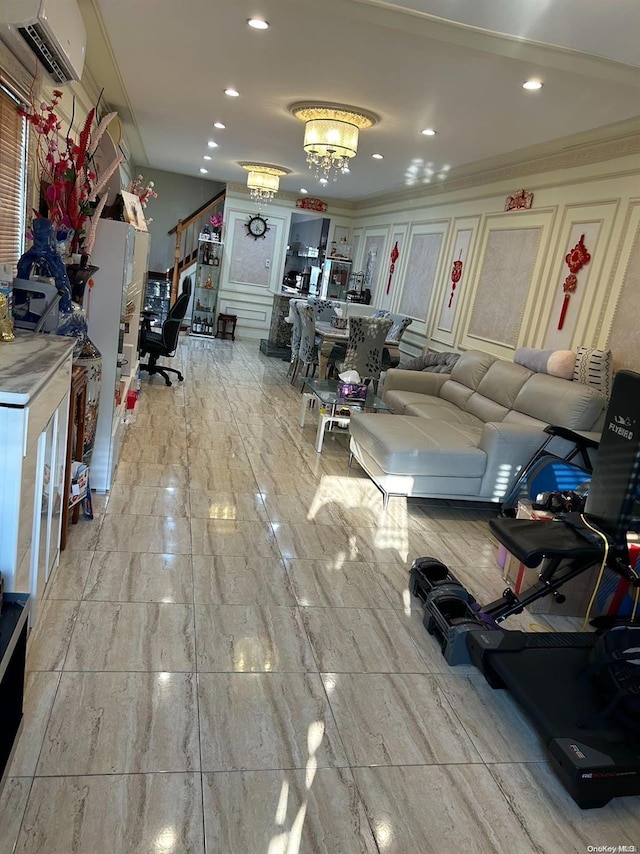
[{"x": 27, "y": 364}]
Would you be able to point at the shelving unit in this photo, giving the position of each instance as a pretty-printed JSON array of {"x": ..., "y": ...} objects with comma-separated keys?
[
  {"x": 335, "y": 279},
  {"x": 113, "y": 315},
  {"x": 207, "y": 283},
  {"x": 157, "y": 299}
]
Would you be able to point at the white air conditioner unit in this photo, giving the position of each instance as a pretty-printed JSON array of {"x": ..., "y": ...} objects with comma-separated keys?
[{"x": 51, "y": 31}]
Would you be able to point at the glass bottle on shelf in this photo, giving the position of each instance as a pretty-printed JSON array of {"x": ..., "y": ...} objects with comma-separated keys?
[
  {"x": 206, "y": 254},
  {"x": 216, "y": 260}
]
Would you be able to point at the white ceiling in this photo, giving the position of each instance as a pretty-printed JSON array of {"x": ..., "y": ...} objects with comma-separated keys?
[{"x": 413, "y": 69}]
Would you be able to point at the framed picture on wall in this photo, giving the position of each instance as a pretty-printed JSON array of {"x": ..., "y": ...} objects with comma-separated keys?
[{"x": 133, "y": 212}]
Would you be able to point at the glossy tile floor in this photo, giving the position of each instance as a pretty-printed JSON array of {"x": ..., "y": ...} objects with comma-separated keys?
[{"x": 227, "y": 659}]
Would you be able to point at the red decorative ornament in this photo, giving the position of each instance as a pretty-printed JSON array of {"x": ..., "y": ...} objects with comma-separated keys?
[
  {"x": 521, "y": 200},
  {"x": 578, "y": 257},
  {"x": 575, "y": 260},
  {"x": 311, "y": 204},
  {"x": 456, "y": 275},
  {"x": 395, "y": 254}
]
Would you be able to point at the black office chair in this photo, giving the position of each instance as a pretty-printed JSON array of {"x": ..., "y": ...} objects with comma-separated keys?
[{"x": 164, "y": 342}]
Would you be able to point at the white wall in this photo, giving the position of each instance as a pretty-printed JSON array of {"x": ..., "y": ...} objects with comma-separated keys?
[{"x": 178, "y": 197}]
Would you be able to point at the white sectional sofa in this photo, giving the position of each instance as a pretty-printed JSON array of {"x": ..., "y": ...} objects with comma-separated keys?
[{"x": 467, "y": 434}]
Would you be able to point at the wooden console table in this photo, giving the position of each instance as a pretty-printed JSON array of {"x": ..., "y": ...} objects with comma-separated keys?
[{"x": 75, "y": 445}]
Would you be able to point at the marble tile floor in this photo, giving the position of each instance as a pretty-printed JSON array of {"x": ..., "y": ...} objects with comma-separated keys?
[{"x": 228, "y": 660}]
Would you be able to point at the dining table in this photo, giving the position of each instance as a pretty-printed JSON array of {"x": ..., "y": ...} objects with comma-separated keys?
[{"x": 329, "y": 336}]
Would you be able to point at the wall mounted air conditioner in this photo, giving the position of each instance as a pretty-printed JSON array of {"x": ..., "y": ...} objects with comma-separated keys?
[{"x": 49, "y": 31}]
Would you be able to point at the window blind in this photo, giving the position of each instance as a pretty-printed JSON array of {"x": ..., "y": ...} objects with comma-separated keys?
[{"x": 12, "y": 179}]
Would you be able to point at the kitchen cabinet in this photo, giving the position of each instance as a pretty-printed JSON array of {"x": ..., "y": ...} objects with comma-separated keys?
[
  {"x": 113, "y": 315},
  {"x": 207, "y": 283},
  {"x": 335, "y": 279},
  {"x": 35, "y": 373}
]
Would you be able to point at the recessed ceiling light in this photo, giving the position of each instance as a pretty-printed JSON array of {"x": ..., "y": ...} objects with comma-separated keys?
[
  {"x": 207, "y": 157},
  {"x": 428, "y": 132},
  {"x": 532, "y": 84},
  {"x": 212, "y": 144},
  {"x": 378, "y": 156},
  {"x": 219, "y": 125},
  {"x": 203, "y": 170},
  {"x": 232, "y": 93},
  {"x": 258, "y": 23},
  {"x": 302, "y": 190},
  {"x": 324, "y": 181}
]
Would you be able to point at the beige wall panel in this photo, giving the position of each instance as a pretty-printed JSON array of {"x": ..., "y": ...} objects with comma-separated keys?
[
  {"x": 562, "y": 339},
  {"x": 597, "y": 221},
  {"x": 449, "y": 300},
  {"x": 624, "y": 340},
  {"x": 373, "y": 262},
  {"x": 389, "y": 299},
  {"x": 249, "y": 257},
  {"x": 420, "y": 274},
  {"x": 503, "y": 285}
]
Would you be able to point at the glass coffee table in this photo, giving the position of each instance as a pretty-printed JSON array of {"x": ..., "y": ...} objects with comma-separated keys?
[{"x": 334, "y": 413}]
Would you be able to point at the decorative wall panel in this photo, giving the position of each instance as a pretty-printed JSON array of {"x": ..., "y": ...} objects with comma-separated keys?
[
  {"x": 420, "y": 273},
  {"x": 248, "y": 256},
  {"x": 503, "y": 285},
  {"x": 624, "y": 340},
  {"x": 561, "y": 339},
  {"x": 390, "y": 283},
  {"x": 455, "y": 280},
  {"x": 371, "y": 263}
]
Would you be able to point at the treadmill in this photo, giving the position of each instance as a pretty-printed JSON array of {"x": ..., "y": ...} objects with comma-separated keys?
[{"x": 545, "y": 671}]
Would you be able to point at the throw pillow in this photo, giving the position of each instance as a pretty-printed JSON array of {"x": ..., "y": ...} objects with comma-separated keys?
[
  {"x": 433, "y": 362},
  {"x": 557, "y": 363},
  {"x": 595, "y": 368}
]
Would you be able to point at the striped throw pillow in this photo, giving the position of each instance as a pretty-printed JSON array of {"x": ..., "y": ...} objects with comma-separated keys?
[{"x": 595, "y": 368}]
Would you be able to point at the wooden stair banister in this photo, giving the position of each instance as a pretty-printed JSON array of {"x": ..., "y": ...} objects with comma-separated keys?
[{"x": 187, "y": 232}]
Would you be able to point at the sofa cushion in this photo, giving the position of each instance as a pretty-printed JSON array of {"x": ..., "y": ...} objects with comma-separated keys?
[
  {"x": 443, "y": 411},
  {"x": 404, "y": 445},
  {"x": 497, "y": 391},
  {"x": 503, "y": 382},
  {"x": 398, "y": 399},
  {"x": 557, "y": 401},
  {"x": 485, "y": 409},
  {"x": 471, "y": 368}
]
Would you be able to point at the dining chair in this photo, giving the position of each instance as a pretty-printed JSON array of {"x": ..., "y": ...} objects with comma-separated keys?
[
  {"x": 365, "y": 345},
  {"x": 391, "y": 355},
  {"x": 323, "y": 309},
  {"x": 308, "y": 351},
  {"x": 296, "y": 332}
]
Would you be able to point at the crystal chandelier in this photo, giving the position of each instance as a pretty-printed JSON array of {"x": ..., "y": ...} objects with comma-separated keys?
[
  {"x": 331, "y": 135},
  {"x": 263, "y": 180}
]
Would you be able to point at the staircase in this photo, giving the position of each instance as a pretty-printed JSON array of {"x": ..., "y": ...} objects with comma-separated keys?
[{"x": 187, "y": 232}]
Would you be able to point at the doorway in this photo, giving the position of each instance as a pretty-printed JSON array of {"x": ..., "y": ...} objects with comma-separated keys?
[{"x": 306, "y": 251}]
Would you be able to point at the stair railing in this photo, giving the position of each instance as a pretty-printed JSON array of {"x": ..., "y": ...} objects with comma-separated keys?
[{"x": 187, "y": 232}]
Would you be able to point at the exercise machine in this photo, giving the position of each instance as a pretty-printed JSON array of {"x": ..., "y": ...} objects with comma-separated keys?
[{"x": 545, "y": 671}]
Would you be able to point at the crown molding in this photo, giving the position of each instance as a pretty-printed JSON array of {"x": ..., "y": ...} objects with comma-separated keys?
[{"x": 616, "y": 141}]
